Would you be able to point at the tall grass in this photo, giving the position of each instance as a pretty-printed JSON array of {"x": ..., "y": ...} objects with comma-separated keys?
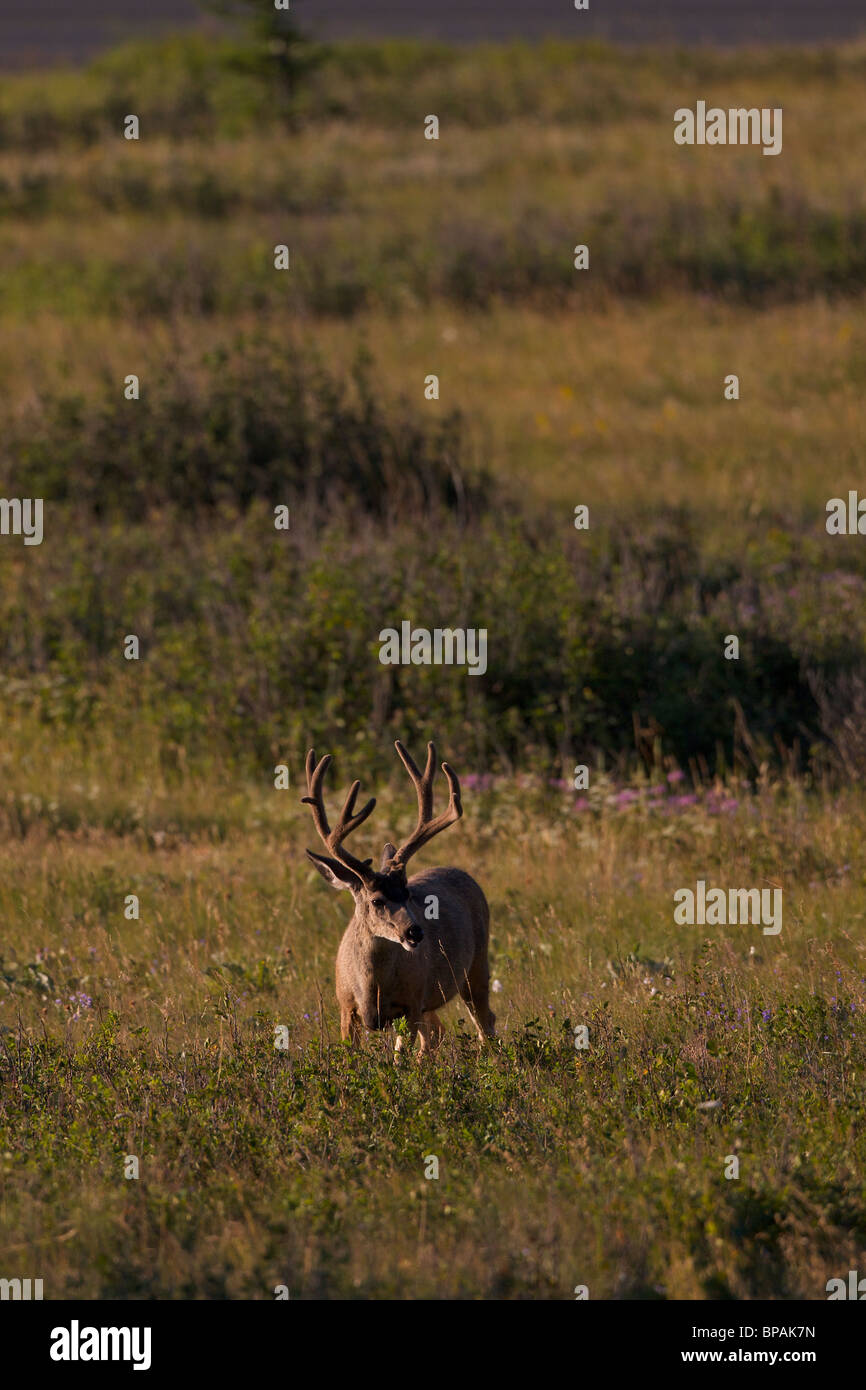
[
  {"x": 558, "y": 1167},
  {"x": 154, "y": 1036}
]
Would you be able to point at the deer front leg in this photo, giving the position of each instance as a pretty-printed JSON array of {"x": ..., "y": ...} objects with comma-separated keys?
[
  {"x": 431, "y": 1033},
  {"x": 350, "y": 1024},
  {"x": 476, "y": 996},
  {"x": 403, "y": 1041}
]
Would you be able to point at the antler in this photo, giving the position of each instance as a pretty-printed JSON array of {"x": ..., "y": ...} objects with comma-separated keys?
[
  {"x": 349, "y": 820},
  {"x": 427, "y": 827}
]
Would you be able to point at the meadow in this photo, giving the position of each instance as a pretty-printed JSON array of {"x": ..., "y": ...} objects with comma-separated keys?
[{"x": 154, "y": 1036}]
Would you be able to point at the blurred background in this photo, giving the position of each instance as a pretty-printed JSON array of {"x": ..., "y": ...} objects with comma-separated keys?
[
  {"x": 51, "y": 30},
  {"x": 151, "y": 1032},
  {"x": 558, "y": 387}
]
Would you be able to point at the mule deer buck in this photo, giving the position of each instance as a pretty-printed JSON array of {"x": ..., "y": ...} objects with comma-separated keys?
[{"x": 395, "y": 962}]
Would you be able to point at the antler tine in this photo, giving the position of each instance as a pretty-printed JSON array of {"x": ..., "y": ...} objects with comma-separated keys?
[
  {"x": 427, "y": 825},
  {"x": 314, "y": 798},
  {"x": 349, "y": 819},
  {"x": 423, "y": 781},
  {"x": 427, "y": 780}
]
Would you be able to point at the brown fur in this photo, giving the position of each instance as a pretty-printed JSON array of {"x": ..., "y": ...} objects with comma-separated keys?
[{"x": 396, "y": 961}]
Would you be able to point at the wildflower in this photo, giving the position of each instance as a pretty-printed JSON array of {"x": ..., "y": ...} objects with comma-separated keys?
[
  {"x": 496, "y": 986},
  {"x": 81, "y": 1001}
]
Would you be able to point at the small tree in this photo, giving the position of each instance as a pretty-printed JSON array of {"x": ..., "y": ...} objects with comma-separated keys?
[{"x": 280, "y": 52}]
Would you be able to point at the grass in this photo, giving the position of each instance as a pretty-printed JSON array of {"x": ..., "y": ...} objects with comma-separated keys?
[
  {"x": 306, "y": 1167},
  {"x": 154, "y": 1036}
]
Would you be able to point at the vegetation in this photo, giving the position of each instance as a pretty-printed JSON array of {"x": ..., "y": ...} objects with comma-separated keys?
[
  {"x": 155, "y": 1036},
  {"x": 558, "y": 1167}
]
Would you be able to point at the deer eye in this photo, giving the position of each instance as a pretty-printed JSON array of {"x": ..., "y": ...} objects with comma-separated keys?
[{"x": 378, "y": 902}]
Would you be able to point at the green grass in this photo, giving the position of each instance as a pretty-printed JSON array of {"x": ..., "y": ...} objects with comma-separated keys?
[
  {"x": 557, "y": 1167},
  {"x": 154, "y": 1036},
  {"x": 378, "y": 217}
]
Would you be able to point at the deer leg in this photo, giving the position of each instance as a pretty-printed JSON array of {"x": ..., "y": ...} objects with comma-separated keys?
[
  {"x": 409, "y": 1042},
  {"x": 475, "y": 993},
  {"x": 350, "y": 1024},
  {"x": 431, "y": 1032}
]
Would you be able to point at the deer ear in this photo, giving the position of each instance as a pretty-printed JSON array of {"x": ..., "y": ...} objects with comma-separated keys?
[
  {"x": 335, "y": 873},
  {"x": 387, "y": 855}
]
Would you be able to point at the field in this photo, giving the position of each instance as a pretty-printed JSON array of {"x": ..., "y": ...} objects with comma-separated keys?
[{"x": 608, "y": 1166}]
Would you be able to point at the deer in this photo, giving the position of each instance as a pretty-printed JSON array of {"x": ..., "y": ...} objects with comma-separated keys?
[{"x": 412, "y": 943}]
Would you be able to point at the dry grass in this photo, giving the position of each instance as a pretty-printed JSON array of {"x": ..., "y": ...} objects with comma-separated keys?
[{"x": 154, "y": 1036}]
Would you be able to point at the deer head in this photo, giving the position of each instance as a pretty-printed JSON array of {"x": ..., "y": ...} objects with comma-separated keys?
[{"x": 384, "y": 901}]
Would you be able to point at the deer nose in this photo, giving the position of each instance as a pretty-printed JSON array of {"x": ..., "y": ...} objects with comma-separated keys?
[{"x": 414, "y": 935}]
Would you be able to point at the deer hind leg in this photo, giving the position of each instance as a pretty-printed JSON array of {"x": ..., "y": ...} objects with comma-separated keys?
[
  {"x": 350, "y": 1024},
  {"x": 406, "y": 1042},
  {"x": 431, "y": 1032},
  {"x": 475, "y": 993}
]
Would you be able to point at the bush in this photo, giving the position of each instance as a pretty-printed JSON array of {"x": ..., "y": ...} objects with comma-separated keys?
[{"x": 254, "y": 419}]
